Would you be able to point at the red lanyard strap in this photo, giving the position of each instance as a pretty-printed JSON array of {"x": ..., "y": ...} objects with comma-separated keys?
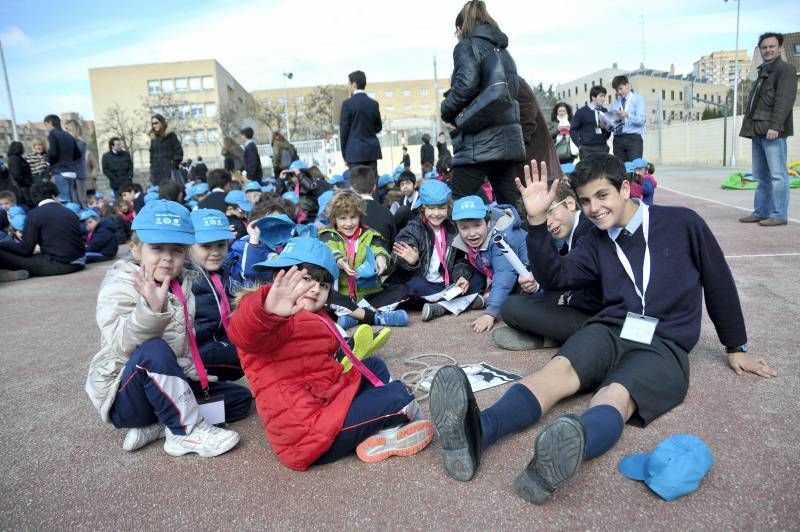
[
  {"x": 476, "y": 260},
  {"x": 175, "y": 286},
  {"x": 364, "y": 370},
  {"x": 224, "y": 305},
  {"x": 440, "y": 243}
]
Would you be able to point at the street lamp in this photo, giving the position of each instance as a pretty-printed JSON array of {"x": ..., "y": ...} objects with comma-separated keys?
[
  {"x": 286, "y": 75},
  {"x": 735, "y": 85}
]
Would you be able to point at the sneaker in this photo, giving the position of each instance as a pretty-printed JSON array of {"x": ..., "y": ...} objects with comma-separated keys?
[
  {"x": 13, "y": 275},
  {"x": 347, "y": 322},
  {"x": 558, "y": 453},
  {"x": 392, "y": 318},
  {"x": 365, "y": 343},
  {"x": 772, "y": 222},
  {"x": 478, "y": 303},
  {"x": 512, "y": 339},
  {"x": 404, "y": 440},
  {"x": 205, "y": 440},
  {"x": 137, "y": 438},
  {"x": 751, "y": 219},
  {"x": 431, "y": 311},
  {"x": 458, "y": 421}
]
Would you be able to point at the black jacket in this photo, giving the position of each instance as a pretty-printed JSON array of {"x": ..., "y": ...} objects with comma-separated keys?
[
  {"x": 358, "y": 127},
  {"x": 166, "y": 153},
  {"x": 18, "y": 168},
  {"x": 426, "y": 153},
  {"x": 583, "y": 126},
  {"x": 419, "y": 234},
  {"x": 104, "y": 239},
  {"x": 200, "y": 170},
  {"x": 501, "y": 141},
  {"x": 381, "y": 220},
  {"x": 63, "y": 153},
  {"x": 252, "y": 162},
  {"x": 207, "y": 321},
  {"x": 215, "y": 200},
  {"x": 118, "y": 168}
]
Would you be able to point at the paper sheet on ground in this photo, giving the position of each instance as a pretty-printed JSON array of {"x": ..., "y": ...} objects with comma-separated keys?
[{"x": 481, "y": 377}]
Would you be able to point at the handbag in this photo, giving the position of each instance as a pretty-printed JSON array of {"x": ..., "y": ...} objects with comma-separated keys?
[
  {"x": 492, "y": 101},
  {"x": 564, "y": 150}
]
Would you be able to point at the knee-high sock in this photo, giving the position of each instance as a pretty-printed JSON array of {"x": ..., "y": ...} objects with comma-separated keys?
[
  {"x": 516, "y": 410},
  {"x": 603, "y": 424}
]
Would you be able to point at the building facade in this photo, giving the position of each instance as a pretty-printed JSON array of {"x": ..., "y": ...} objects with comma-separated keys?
[{"x": 720, "y": 67}]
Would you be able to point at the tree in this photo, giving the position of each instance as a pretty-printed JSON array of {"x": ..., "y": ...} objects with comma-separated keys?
[
  {"x": 177, "y": 112},
  {"x": 125, "y": 124},
  {"x": 318, "y": 117},
  {"x": 545, "y": 98},
  {"x": 711, "y": 113}
]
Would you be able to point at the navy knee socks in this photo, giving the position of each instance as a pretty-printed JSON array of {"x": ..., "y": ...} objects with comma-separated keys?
[
  {"x": 603, "y": 424},
  {"x": 516, "y": 410}
]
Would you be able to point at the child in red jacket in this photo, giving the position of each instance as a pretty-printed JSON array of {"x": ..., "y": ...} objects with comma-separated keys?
[{"x": 313, "y": 412}]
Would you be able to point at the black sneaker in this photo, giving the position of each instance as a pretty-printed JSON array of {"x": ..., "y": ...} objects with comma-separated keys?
[
  {"x": 457, "y": 419},
  {"x": 13, "y": 275},
  {"x": 558, "y": 453},
  {"x": 478, "y": 303},
  {"x": 431, "y": 311}
]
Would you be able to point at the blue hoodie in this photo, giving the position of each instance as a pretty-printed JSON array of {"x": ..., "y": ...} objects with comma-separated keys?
[{"x": 505, "y": 221}]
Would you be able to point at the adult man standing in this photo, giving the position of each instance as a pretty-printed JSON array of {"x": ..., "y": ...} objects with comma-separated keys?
[
  {"x": 628, "y": 142},
  {"x": 587, "y": 129},
  {"x": 767, "y": 122},
  {"x": 117, "y": 165},
  {"x": 252, "y": 161},
  {"x": 359, "y": 124},
  {"x": 64, "y": 156}
]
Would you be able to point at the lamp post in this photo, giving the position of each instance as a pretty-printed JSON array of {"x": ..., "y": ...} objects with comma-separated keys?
[
  {"x": 735, "y": 85},
  {"x": 10, "y": 100},
  {"x": 286, "y": 75}
]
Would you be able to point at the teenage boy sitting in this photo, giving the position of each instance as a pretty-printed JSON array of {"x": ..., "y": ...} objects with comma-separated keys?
[
  {"x": 407, "y": 183},
  {"x": 633, "y": 355}
]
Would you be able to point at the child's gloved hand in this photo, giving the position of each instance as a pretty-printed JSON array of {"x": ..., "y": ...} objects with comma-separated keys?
[{"x": 285, "y": 298}]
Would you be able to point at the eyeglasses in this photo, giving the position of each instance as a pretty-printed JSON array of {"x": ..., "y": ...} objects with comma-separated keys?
[{"x": 556, "y": 206}]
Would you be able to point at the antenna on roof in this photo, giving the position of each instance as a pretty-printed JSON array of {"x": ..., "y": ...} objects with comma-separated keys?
[{"x": 641, "y": 21}]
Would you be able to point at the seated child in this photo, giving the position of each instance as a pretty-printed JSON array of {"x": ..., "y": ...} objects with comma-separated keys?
[
  {"x": 17, "y": 225},
  {"x": 133, "y": 194},
  {"x": 7, "y": 200},
  {"x": 252, "y": 191},
  {"x": 145, "y": 376},
  {"x": 237, "y": 211},
  {"x": 645, "y": 177},
  {"x": 386, "y": 182},
  {"x": 362, "y": 258},
  {"x": 312, "y": 411},
  {"x": 337, "y": 182},
  {"x": 101, "y": 237},
  {"x": 634, "y": 179}
]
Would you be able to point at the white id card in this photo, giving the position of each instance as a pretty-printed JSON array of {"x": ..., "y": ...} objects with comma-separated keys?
[
  {"x": 638, "y": 328},
  {"x": 452, "y": 292},
  {"x": 598, "y": 131},
  {"x": 213, "y": 409}
]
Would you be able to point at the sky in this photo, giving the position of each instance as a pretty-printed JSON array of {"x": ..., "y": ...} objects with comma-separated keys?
[{"x": 50, "y": 45}]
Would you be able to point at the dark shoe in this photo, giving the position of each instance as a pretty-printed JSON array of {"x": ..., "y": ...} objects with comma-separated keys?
[
  {"x": 511, "y": 339},
  {"x": 751, "y": 219},
  {"x": 478, "y": 303},
  {"x": 558, "y": 453},
  {"x": 772, "y": 222},
  {"x": 431, "y": 311},
  {"x": 13, "y": 275},
  {"x": 457, "y": 419}
]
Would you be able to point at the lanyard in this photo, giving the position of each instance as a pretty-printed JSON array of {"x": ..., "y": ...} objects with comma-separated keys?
[
  {"x": 351, "y": 260},
  {"x": 297, "y": 189},
  {"x": 476, "y": 260},
  {"x": 175, "y": 286},
  {"x": 646, "y": 268},
  {"x": 364, "y": 370},
  {"x": 224, "y": 306},
  {"x": 440, "y": 243}
]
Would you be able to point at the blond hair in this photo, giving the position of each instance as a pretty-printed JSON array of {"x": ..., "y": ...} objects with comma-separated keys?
[{"x": 346, "y": 203}]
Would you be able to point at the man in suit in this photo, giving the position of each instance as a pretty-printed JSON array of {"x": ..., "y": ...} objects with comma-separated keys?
[
  {"x": 359, "y": 124},
  {"x": 252, "y": 161}
]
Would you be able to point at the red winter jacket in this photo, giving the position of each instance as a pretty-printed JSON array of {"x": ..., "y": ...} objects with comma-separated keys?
[{"x": 302, "y": 396}]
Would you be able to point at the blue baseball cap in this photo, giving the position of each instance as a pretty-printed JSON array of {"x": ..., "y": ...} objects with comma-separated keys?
[
  {"x": 323, "y": 200},
  {"x": 98, "y": 195},
  {"x": 18, "y": 221},
  {"x": 430, "y": 175},
  {"x": 276, "y": 229},
  {"x": 399, "y": 170},
  {"x": 291, "y": 196},
  {"x": 252, "y": 186},
  {"x": 433, "y": 192},
  {"x": 335, "y": 180},
  {"x": 152, "y": 188},
  {"x": 675, "y": 468},
  {"x": 268, "y": 188},
  {"x": 298, "y": 165},
  {"x": 269, "y": 180},
  {"x": 303, "y": 249},
  {"x": 88, "y": 213},
  {"x": 210, "y": 225},
  {"x": 150, "y": 196},
  {"x": 192, "y": 204},
  {"x": 385, "y": 179},
  {"x": 164, "y": 222},
  {"x": 567, "y": 168},
  {"x": 15, "y": 210},
  {"x": 639, "y": 163},
  {"x": 469, "y": 208},
  {"x": 198, "y": 189},
  {"x": 238, "y": 198},
  {"x": 629, "y": 167},
  {"x": 74, "y": 207}
]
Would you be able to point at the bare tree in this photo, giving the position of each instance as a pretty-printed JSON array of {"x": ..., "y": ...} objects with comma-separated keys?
[
  {"x": 318, "y": 117},
  {"x": 125, "y": 124},
  {"x": 177, "y": 112}
]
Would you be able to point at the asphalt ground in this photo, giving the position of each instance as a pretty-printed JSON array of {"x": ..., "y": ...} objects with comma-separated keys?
[{"x": 63, "y": 468}]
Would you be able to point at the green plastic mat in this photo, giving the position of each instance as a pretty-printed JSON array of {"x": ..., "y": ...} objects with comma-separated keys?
[{"x": 740, "y": 181}]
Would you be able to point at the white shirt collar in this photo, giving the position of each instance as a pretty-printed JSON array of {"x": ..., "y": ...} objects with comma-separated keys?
[
  {"x": 574, "y": 226},
  {"x": 359, "y": 91},
  {"x": 367, "y": 196},
  {"x": 46, "y": 201}
]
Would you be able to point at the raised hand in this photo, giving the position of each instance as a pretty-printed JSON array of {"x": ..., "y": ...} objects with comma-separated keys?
[
  {"x": 154, "y": 294},
  {"x": 288, "y": 287},
  {"x": 380, "y": 264},
  {"x": 536, "y": 196},
  {"x": 254, "y": 232},
  {"x": 410, "y": 254}
]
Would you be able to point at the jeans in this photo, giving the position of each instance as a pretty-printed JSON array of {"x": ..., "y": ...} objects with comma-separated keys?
[
  {"x": 769, "y": 169},
  {"x": 64, "y": 187}
]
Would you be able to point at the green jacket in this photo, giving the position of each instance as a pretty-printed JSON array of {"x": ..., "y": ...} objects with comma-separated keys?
[
  {"x": 773, "y": 96},
  {"x": 369, "y": 237}
]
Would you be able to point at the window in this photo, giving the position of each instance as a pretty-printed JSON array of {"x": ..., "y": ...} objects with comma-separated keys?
[
  {"x": 208, "y": 83},
  {"x": 584, "y": 88},
  {"x": 194, "y": 83},
  {"x": 153, "y": 87},
  {"x": 371, "y": 95},
  {"x": 299, "y": 100},
  {"x": 407, "y": 108},
  {"x": 183, "y": 110},
  {"x": 181, "y": 85},
  {"x": 406, "y": 92},
  {"x": 390, "y": 108},
  {"x": 576, "y": 90},
  {"x": 663, "y": 94},
  {"x": 211, "y": 110},
  {"x": 200, "y": 136},
  {"x": 663, "y": 115},
  {"x": 719, "y": 98},
  {"x": 672, "y": 95},
  {"x": 187, "y": 138},
  {"x": 197, "y": 110},
  {"x": 569, "y": 92},
  {"x": 680, "y": 96},
  {"x": 213, "y": 135},
  {"x": 388, "y": 94},
  {"x": 654, "y": 91},
  {"x": 441, "y": 90},
  {"x": 680, "y": 113},
  {"x": 424, "y": 106},
  {"x": 167, "y": 85},
  {"x": 705, "y": 96},
  {"x": 600, "y": 82},
  {"x": 423, "y": 92}
]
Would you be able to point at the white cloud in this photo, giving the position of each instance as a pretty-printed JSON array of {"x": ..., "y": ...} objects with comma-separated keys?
[{"x": 14, "y": 37}]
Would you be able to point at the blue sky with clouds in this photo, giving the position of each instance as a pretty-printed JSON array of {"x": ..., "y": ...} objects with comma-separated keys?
[{"x": 50, "y": 45}]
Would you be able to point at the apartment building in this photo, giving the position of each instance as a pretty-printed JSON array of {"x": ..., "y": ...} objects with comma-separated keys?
[{"x": 720, "y": 67}]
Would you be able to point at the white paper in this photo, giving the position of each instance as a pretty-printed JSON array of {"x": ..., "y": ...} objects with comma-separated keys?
[
  {"x": 482, "y": 376},
  {"x": 611, "y": 119},
  {"x": 213, "y": 413},
  {"x": 459, "y": 304},
  {"x": 452, "y": 292},
  {"x": 512, "y": 257}
]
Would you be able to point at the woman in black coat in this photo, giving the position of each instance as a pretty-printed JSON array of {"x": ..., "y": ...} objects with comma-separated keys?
[
  {"x": 495, "y": 149},
  {"x": 20, "y": 171},
  {"x": 166, "y": 152}
]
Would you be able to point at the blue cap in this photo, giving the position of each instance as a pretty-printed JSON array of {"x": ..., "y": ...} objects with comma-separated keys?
[
  {"x": 324, "y": 199},
  {"x": 291, "y": 196},
  {"x": 210, "y": 225},
  {"x": 335, "y": 180},
  {"x": 238, "y": 198},
  {"x": 399, "y": 170},
  {"x": 567, "y": 168},
  {"x": 276, "y": 229},
  {"x": 675, "y": 467},
  {"x": 15, "y": 210},
  {"x": 432, "y": 192},
  {"x": 430, "y": 175},
  {"x": 198, "y": 189},
  {"x": 469, "y": 208},
  {"x": 192, "y": 204},
  {"x": 298, "y": 165},
  {"x": 629, "y": 167},
  {"x": 271, "y": 180},
  {"x": 150, "y": 196},
  {"x": 268, "y": 188},
  {"x": 306, "y": 230},
  {"x": 639, "y": 163},
  {"x": 164, "y": 222},
  {"x": 98, "y": 195},
  {"x": 252, "y": 186},
  {"x": 367, "y": 273},
  {"x": 303, "y": 249},
  {"x": 18, "y": 221},
  {"x": 88, "y": 213},
  {"x": 152, "y": 188},
  {"x": 74, "y": 207},
  {"x": 385, "y": 179}
]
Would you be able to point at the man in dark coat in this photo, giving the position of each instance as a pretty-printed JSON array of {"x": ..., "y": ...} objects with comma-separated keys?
[
  {"x": 63, "y": 155},
  {"x": 359, "y": 124},
  {"x": 117, "y": 165},
  {"x": 252, "y": 161}
]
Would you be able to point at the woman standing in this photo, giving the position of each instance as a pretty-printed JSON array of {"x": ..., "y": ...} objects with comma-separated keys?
[
  {"x": 493, "y": 149},
  {"x": 283, "y": 153},
  {"x": 40, "y": 168},
  {"x": 20, "y": 172},
  {"x": 166, "y": 152},
  {"x": 559, "y": 129},
  {"x": 233, "y": 155}
]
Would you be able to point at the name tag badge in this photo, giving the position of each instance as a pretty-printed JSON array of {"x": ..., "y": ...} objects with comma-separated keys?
[
  {"x": 212, "y": 409},
  {"x": 638, "y": 328},
  {"x": 598, "y": 131}
]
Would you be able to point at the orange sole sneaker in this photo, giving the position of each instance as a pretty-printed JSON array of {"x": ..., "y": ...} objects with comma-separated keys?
[{"x": 404, "y": 440}]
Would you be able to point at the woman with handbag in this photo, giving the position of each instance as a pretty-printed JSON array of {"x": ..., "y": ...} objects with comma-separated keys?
[
  {"x": 481, "y": 107},
  {"x": 559, "y": 129}
]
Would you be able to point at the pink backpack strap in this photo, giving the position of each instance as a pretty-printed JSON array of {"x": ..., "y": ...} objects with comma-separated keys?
[{"x": 364, "y": 370}]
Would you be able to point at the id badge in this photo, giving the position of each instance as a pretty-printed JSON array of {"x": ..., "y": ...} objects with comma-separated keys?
[
  {"x": 598, "y": 131},
  {"x": 212, "y": 409},
  {"x": 638, "y": 328}
]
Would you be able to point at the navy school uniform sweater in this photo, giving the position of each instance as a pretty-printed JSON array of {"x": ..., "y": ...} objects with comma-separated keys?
[
  {"x": 55, "y": 229},
  {"x": 104, "y": 238},
  {"x": 207, "y": 320},
  {"x": 686, "y": 263}
]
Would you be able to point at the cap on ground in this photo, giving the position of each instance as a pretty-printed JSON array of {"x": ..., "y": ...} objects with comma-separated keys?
[{"x": 164, "y": 222}]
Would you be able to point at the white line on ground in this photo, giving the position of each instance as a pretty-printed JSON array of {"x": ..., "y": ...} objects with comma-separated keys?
[
  {"x": 762, "y": 256},
  {"x": 714, "y": 201}
]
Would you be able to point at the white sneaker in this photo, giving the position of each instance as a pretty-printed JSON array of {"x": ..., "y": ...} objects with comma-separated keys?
[
  {"x": 205, "y": 440},
  {"x": 141, "y": 436}
]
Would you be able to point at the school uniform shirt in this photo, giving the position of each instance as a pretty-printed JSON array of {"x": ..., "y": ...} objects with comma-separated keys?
[{"x": 55, "y": 229}]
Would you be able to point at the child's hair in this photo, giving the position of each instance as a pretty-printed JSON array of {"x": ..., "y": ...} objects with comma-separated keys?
[
  {"x": 317, "y": 273},
  {"x": 426, "y": 139},
  {"x": 235, "y": 185},
  {"x": 393, "y": 195},
  {"x": 39, "y": 141},
  {"x": 564, "y": 191},
  {"x": 599, "y": 166},
  {"x": 107, "y": 209},
  {"x": 269, "y": 204},
  {"x": 363, "y": 179},
  {"x": 218, "y": 178},
  {"x": 8, "y": 195},
  {"x": 169, "y": 190},
  {"x": 443, "y": 166},
  {"x": 346, "y": 203},
  {"x": 129, "y": 187},
  {"x": 43, "y": 190},
  {"x": 651, "y": 169}
]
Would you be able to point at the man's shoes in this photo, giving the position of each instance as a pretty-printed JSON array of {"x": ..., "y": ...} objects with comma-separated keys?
[
  {"x": 403, "y": 440},
  {"x": 347, "y": 322},
  {"x": 7, "y": 276},
  {"x": 558, "y": 453},
  {"x": 751, "y": 219},
  {"x": 431, "y": 311},
  {"x": 458, "y": 421},
  {"x": 204, "y": 439},
  {"x": 138, "y": 437},
  {"x": 478, "y": 303},
  {"x": 772, "y": 222},
  {"x": 392, "y": 318},
  {"x": 512, "y": 339}
]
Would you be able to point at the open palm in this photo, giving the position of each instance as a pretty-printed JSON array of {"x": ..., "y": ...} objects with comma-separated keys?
[
  {"x": 288, "y": 287},
  {"x": 536, "y": 196}
]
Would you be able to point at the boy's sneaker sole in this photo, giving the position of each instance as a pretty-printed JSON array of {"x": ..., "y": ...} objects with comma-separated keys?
[
  {"x": 457, "y": 419},
  {"x": 558, "y": 453},
  {"x": 7, "y": 276},
  {"x": 404, "y": 440}
]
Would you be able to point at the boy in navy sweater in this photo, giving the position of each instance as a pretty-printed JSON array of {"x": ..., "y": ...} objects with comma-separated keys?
[{"x": 633, "y": 355}]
